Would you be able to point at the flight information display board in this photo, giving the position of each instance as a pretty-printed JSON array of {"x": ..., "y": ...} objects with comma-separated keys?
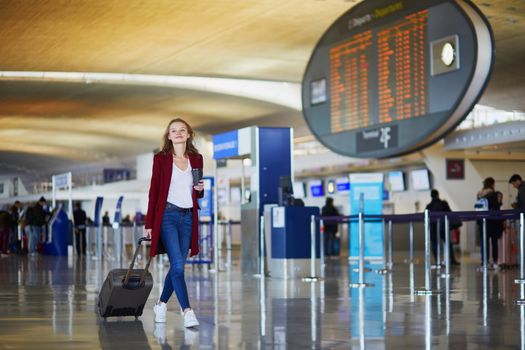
[{"x": 390, "y": 77}]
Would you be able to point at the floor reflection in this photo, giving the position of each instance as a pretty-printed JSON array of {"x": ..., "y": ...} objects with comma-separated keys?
[
  {"x": 49, "y": 302},
  {"x": 123, "y": 334},
  {"x": 370, "y": 302}
]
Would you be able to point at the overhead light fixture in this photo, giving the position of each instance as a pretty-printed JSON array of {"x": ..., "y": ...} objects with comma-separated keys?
[
  {"x": 330, "y": 187},
  {"x": 276, "y": 92}
]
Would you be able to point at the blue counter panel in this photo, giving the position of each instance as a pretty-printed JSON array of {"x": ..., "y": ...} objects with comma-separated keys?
[
  {"x": 293, "y": 240},
  {"x": 59, "y": 235},
  {"x": 275, "y": 159}
]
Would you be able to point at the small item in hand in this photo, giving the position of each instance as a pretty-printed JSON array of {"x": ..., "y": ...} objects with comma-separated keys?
[{"x": 197, "y": 175}]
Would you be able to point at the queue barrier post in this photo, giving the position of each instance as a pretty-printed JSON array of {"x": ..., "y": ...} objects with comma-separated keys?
[
  {"x": 521, "y": 280},
  {"x": 437, "y": 264},
  {"x": 321, "y": 242},
  {"x": 361, "y": 269},
  {"x": 427, "y": 290},
  {"x": 387, "y": 266},
  {"x": 313, "y": 277},
  {"x": 261, "y": 273},
  {"x": 447, "y": 248},
  {"x": 484, "y": 245},
  {"x": 390, "y": 249},
  {"x": 411, "y": 259}
]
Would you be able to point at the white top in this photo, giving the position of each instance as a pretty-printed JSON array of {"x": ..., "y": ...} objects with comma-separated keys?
[{"x": 181, "y": 187}]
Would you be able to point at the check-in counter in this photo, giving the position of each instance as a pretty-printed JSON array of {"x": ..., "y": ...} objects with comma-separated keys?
[
  {"x": 291, "y": 243},
  {"x": 58, "y": 235}
]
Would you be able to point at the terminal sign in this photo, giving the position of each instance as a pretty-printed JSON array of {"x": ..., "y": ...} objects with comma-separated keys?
[{"x": 391, "y": 77}]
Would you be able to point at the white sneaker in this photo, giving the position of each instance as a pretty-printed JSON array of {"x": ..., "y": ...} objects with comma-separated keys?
[
  {"x": 496, "y": 266},
  {"x": 190, "y": 320},
  {"x": 160, "y": 309}
]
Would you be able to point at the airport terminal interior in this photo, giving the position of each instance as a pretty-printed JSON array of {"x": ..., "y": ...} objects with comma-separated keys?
[{"x": 356, "y": 157}]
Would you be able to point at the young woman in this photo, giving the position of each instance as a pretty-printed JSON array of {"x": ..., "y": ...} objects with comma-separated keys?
[
  {"x": 172, "y": 217},
  {"x": 494, "y": 227}
]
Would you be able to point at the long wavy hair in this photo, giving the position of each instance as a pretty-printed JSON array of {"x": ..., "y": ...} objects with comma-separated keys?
[
  {"x": 167, "y": 145},
  {"x": 489, "y": 182}
]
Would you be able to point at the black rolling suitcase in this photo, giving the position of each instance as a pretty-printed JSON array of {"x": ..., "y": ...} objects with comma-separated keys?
[{"x": 125, "y": 291}]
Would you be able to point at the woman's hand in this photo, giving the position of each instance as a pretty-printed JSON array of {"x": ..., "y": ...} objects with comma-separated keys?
[
  {"x": 148, "y": 233},
  {"x": 200, "y": 186}
]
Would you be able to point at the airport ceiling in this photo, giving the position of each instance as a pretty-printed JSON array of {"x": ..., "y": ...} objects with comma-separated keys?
[{"x": 49, "y": 126}]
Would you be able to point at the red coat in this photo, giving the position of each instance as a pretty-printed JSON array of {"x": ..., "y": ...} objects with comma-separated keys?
[{"x": 158, "y": 197}]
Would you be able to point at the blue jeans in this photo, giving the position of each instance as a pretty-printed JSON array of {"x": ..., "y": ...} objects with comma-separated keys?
[
  {"x": 175, "y": 233},
  {"x": 34, "y": 238}
]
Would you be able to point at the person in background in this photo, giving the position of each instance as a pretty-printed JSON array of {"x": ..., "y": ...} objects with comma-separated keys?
[
  {"x": 494, "y": 227},
  {"x": 39, "y": 221},
  {"x": 79, "y": 216},
  {"x": 14, "y": 211},
  {"x": 438, "y": 205},
  {"x": 27, "y": 217},
  {"x": 330, "y": 227},
  {"x": 105, "y": 219},
  {"x": 139, "y": 218},
  {"x": 5, "y": 229},
  {"x": 516, "y": 181},
  {"x": 126, "y": 221},
  {"x": 488, "y": 188}
]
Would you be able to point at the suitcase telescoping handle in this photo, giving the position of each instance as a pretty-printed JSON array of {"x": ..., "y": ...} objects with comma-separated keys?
[{"x": 128, "y": 274}]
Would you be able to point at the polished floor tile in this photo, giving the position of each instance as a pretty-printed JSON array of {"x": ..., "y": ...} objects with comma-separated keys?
[{"x": 49, "y": 303}]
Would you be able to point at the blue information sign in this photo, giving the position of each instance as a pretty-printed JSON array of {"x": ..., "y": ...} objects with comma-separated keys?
[
  {"x": 371, "y": 186},
  {"x": 118, "y": 210},
  {"x": 98, "y": 207},
  {"x": 206, "y": 202},
  {"x": 226, "y": 145}
]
